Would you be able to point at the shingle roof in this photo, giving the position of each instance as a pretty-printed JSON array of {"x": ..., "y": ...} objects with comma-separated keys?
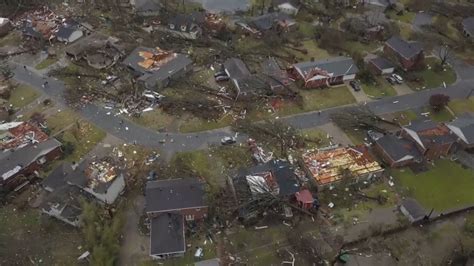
[
  {"x": 167, "y": 234},
  {"x": 404, "y": 48},
  {"x": 267, "y": 21},
  {"x": 398, "y": 148},
  {"x": 236, "y": 68},
  {"x": 65, "y": 32},
  {"x": 174, "y": 194},
  {"x": 415, "y": 210},
  {"x": 9, "y": 160},
  {"x": 419, "y": 125},
  {"x": 147, "y": 5},
  {"x": 57, "y": 178},
  {"x": 382, "y": 63},
  {"x": 338, "y": 66},
  {"x": 465, "y": 123},
  {"x": 468, "y": 25}
]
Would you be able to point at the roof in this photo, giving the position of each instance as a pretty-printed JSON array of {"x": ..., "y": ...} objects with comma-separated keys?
[
  {"x": 428, "y": 132},
  {"x": 236, "y": 68},
  {"x": 294, "y": 3},
  {"x": 57, "y": 178},
  {"x": 325, "y": 165},
  {"x": 187, "y": 20},
  {"x": 91, "y": 42},
  {"x": 4, "y": 21},
  {"x": 414, "y": 209},
  {"x": 252, "y": 83},
  {"x": 267, "y": 21},
  {"x": 382, "y": 63},
  {"x": 18, "y": 134},
  {"x": 155, "y": 64},
  {"x": 336, "y": 66},
  {"x": 174, "y": 194},
  {"x": 66, "y": 200},
  {"x": 167, "y": 234},
  {"x": 397, "y": 148},
  {"x": 96, "y": 175},
  {"x": 304, "y": 196},
  {"x": 65, "y": 32},
  {"x": 280, "y": 172},
  {"x": 468, "y": 25},
  {"x": 147, "y": 5},
  {"x": 420, "y": 125},
  {"x": 465, "y": 126},
  {"x": 406, "y": 49},
  {"x": 11, "y": 162}
]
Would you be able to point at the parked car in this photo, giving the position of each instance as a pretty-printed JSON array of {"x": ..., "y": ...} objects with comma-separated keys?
[
  {"x": 222, "y": 78},
  {"x": 397, "y": 78},
  {"x": 220, "y": 73},
  {"x": 391, "y": 80},
  {"x": 355, "y": 85},
  {"x": 228, "y": 140}
]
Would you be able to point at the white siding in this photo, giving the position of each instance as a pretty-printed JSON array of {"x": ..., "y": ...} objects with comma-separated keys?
[{"x": 349, "y": 77}]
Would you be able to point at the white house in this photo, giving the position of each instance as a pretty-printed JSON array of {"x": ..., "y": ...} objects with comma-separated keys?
[{"x": 290, "y": 7}]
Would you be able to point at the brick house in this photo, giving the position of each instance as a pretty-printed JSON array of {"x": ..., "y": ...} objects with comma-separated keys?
[
  {"x": 396, "y": 151},
  {"x": 25, "y": 161},
  {"x": 380, "y": 66},
  {"x": 169, "y": 204},
  {"x": 324, "y": 73},
  {"x": 409, "y": 55}
]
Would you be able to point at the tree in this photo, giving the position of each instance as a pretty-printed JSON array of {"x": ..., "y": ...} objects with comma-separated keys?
[
  {"x": 360, "y": 117},
  {"x": 438, "y": 101},
  {"x": 444, "y": 53}
]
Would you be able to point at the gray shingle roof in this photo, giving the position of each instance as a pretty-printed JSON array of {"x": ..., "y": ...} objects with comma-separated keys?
[
  {"x": 382, "y": 63},
  {"x": 415, "y": 210},
  {"x": 465, "y": 123},
  {"x": 398, "y": 148},
  {"x": 406, "y": 49},
  {"x": 147, "y": 5},
  {"x": 419, "y": 125},
  {"x": 267, "y": 21},
  {"x": 468, "y": 25},
  {"x": 174, "y": 194},
  {"x": 236, "y": 68},
  {"x": 57, "y": 178},
  {"x": 339, "y": 66},
  {"x": 167, "y": 234},
  {"x": 25, "y": 156}
]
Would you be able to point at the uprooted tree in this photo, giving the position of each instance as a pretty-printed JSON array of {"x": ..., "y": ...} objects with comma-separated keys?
[
  {"x": 360, "y": 117},
  {"x": 439, "y": 101}
]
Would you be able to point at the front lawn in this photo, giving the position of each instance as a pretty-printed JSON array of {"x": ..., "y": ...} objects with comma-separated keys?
[
  {"x": 46, "y": 63},
  {"x": 460, "y": 106},
  {"x": 378, "y": 89},
  {"x": 313, "y": 51},
  {"x": 83, "y": 137},
  {"x": 432, "y": 76},
  {"x": 316, "y": 138},
  {"x": 22, "y": 95},
  {"x": 441, "y": 116},
  {"x": 445, "y": 186},
  {"x": 156, "y": 119}
]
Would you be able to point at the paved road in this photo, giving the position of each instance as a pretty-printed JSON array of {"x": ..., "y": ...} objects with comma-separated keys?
[{"x": 176, "y": 142}]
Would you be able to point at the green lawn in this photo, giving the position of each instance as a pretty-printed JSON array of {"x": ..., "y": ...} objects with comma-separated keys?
[
  {"x": 431, "y": 78},
  {"x": 318, "y": 99},
  {"x": 406, "y": 17},
  {"x": 315, "y": 137},
  {"x": 61, "y": 120},
  {"x": 22, "y": 95},
  {"x": 306, "y": 28},
  {"x": 313, "y": 51},
  {"x": 84, "y": 138},
  {"x": 379, "y": 89},
  {"x": 156, "y": 119},
  {"x": 442, "y": 116},
  {"x": 405, "y": 117},
  {"x": 460, "y": 106},
  {"x": 13, "y": 39},
  {"x": 195, "y": 124},
  {"x": 46, "y": 63},
  {"x": 445, "y": 186}
]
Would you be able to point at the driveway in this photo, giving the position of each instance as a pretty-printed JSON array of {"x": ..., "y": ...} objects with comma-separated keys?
[
  {"x": 360, "y": 96},
  {"x": 402, "y": 89}
]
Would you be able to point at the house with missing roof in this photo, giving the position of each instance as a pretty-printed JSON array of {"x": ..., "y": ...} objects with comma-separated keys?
[
  {"x": 463, "y": 128},
  {"x": 324, "y": 73},
  {"x": 244, "y": 82},
  {"x": 64, "y": 205},
  {"x": 155, "y": 68},
  {"x": 468, "y": 27},
  {"x": 187, "y": 26},
  {"x": 409, "y": 55},
  {"x": 170, "y": 204},
  {"x": 332, "y": 165}
]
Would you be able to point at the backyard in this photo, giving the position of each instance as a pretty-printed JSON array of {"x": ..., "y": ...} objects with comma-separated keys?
[{"x": 445, "y": 186}]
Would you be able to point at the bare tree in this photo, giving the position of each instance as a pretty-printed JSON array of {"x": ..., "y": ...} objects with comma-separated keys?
[{"x": 444, "y": 53}]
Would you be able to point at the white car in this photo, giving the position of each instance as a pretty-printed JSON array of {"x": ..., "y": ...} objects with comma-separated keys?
[
  {"x": 228, "y": 140},
  {"x": 397, "y": 78}
]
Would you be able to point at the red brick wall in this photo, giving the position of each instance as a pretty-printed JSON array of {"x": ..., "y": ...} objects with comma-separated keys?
[
  {"x": 435, "y": 151},
  {"x": 406, "y": 64}
]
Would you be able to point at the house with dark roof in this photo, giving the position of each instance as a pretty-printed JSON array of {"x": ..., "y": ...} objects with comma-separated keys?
[
  {"x": 259, "y": 25},
  {"x": 57, "y": 178},
  {"x": 155, "y": 68},
  {"x": 396, "y": 151},
  {"x": 277, "y": 78},
  {"x": 468, "y": 27},
  {"x": 68, "y": 33},
  {"x": 64, "y": 205},
  {"x": 290, "y": 7},
  {"x": 17, "y": 165},
  {"x": 187, "y": 26},
  {"x": 169, "y": 204},
  {"x": 463, "y": 128},
  {"x": 409, "y": 55},
  {"x": 413, "y": 210},
  {"x": 245, "y": 82},
  {"x": 432, "y": 139},
  {"x": 147, "y": 8},
  {"x": 324, "y": 73},
  {"x": 380, "y": 66}
]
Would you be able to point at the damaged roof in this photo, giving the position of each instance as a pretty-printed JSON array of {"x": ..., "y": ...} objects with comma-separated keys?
[
  {"x": 326, "y": 165},
  {"x": 267, "y": 21},
  {"x": 427, "y": 132},
  {"x": 406, "y": 49},
  {"x": 463, "y": 127},
  {"x": 336, "y": 66},
  {"x": 97, "y": 175},
  {"x": 398, "y": 149},
  {"x": 167, "y": 234},
  {"x": 174, "y": 194},
  {"x": 236, "y": 68},
  {"x": 57, "y": 178}
]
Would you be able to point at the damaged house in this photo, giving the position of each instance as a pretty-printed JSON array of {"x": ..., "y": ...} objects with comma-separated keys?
[
  {"x": 155, "y": 68},
  {"x": 396, "y": 151},
  {"x": 409, "y": 55},
  {"x": 276, "y": 77},
  {"x": 290, "y": 7},
  {"x": 69, "y": 31},
  {"x": 332, "y": 165},
  {"x": 324, "y": 73},
  {"x": 245, "y": 83},
  {"x": 279, "y": 22},
  {"x": 146, "y": 8},
  {"x": 103, "y": 179},
  {"x": 463, "y": 128},
  {"x": 64, "y": 205},
  {"x": 187, "y": 26},
  {"x": 99, "y": 51},
  {"x": 169, "y": 205}
]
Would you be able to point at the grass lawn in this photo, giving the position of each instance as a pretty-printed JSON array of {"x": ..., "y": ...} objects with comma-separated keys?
[
  {"x": 13, "y": 38},
  {"x": 445, "y": 186},
  {"x": 22, "y": 95},
  {"x": 354, "y": 46},
  {"x": 313, "y": 51},
  {"x": 318, "y": 99},
  {"x": 405, "y": 30},
  {"x": 306, "y": 28},
  {"x": 46, "y": 63},
  {"x": 379, "y": 89},
  {"x": 405, "y": 117},
  {"x": 432, "y": 78},
  {"x": 195, "y": 124},
  {"x": 357, "y": 137},
  {"x": 459, "y": 106},
  {"x": 83, "y": 137},
  {"x": 61, "y": 120},
  {"x": 156, "y": 119},
  {"x": 442, "y": 116},
  {"x": 319, "y": 136},
  {"x": 406, "y": 17}
]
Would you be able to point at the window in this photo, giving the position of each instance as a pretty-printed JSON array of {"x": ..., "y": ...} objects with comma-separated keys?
[{"x": 189, "y": 217}]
